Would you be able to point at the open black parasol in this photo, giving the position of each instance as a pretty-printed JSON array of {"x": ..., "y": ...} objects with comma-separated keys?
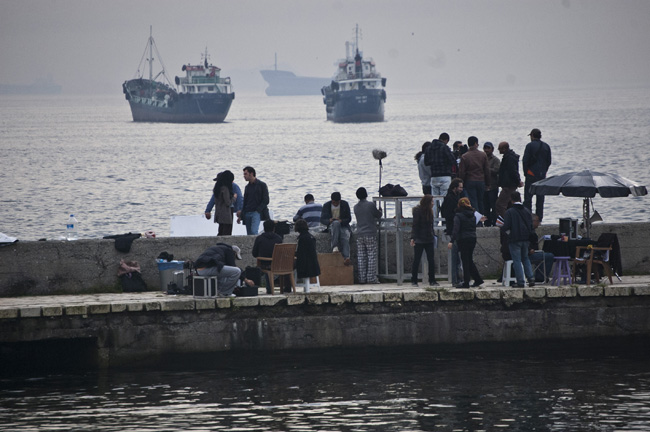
[{"x": 587, "y": 184}]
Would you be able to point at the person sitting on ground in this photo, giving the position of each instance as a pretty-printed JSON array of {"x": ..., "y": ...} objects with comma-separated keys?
[
  {"x": 537, "y": 256},
  {"x": 264, "y": 245},
  {"x": 306, "y": 255},
  {"x": 219, "y": 261},
  {"x": 310, "y": 212},
  {"x": 336, "y": 216}
]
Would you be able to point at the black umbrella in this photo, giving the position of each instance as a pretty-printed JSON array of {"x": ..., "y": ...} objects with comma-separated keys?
[{"x": 587, "y": 184}]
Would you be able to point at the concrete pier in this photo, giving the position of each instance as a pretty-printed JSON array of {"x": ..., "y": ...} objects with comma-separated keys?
[
  {"x": 90, "y": 318},
  {"x": 119, "y": 329}
]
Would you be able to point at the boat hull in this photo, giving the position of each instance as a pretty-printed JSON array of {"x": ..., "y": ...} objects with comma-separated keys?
[
  {"x": 285, "y": 83},
  {"x": 210, "y": 108},
  {"x": 355, "y": 106}
]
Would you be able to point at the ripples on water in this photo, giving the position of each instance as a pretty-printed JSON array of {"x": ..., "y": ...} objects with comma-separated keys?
[
  {"x": 84, "y": 155},
  {"x": 382, "y": 390}
]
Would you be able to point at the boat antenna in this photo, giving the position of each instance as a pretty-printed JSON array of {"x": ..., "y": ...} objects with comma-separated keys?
[
  {"x": 205, "y": 58},
  {"x": 150, "y": 53}
]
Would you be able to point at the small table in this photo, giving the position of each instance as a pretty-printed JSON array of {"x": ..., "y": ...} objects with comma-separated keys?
[{"x": 561, "y": 248}]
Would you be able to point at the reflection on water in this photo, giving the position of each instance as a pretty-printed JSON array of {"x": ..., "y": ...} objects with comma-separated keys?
[{"x": 379, "y": 390}]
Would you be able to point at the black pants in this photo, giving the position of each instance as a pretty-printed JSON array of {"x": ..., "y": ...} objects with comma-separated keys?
[
  {"x": 466, "y": 247},
  {"x": 417, "y": 256},
  {"x": 528, "y": 198}
]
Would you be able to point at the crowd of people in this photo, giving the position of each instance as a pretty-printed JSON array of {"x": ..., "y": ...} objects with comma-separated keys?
[{"x": 472, "y": 188}]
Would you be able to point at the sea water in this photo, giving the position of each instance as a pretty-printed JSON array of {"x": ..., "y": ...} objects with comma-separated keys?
[{"x": 84, "y": 154}]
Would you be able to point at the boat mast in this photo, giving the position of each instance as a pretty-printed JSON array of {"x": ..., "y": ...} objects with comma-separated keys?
[
  {"x": 276, "y": 61},
  {"x": 150, "y": 53}
]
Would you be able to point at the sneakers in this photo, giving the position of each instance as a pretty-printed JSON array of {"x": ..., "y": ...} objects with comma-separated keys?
[
  {"x": 347, "y": 262},
  {"x": 414, "y": 284},
  {"x": 226, "y": 295},
  {"x": 462, "y": 285},
  {"x": 434, "y": 284},
  {"x": 477, "y": 284},
  {"x": 531, "y": 282},
  {"x": 336, "y": 249}
]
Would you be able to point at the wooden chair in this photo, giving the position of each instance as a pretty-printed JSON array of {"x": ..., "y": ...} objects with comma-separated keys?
[
  {"x": 590, "y": 255},
  {"x": 280, "y": 264}
]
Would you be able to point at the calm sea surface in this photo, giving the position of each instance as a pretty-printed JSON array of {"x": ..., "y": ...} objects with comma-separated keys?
[
  {"x": 394, "y": 390},
  {"x": 84, "y": 155}
]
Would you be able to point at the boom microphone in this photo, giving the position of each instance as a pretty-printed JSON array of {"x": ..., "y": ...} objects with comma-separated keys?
[{"x": 379, "y": 154}]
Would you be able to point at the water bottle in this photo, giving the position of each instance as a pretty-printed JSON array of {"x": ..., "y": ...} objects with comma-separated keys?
[{"x": 71, "y": 228}]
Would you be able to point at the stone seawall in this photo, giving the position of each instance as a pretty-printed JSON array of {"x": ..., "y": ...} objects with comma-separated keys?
[
  {"x": 90, "y": 266},
  {"x": 121, "y": 329}
]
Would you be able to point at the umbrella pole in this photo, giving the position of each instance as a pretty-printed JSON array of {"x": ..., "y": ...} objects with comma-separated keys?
[{"x": 585, "y": 215}]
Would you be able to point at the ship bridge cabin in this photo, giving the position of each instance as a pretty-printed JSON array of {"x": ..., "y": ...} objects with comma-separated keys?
[
  {"x": 354, "y": 74},
  {"x": 203, "y": 79}
]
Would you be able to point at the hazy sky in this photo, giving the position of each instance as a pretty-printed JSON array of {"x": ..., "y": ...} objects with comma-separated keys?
[{"x": 91, "y": 46}]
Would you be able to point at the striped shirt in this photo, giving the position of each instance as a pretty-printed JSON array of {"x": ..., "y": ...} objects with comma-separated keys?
[{"x": 310, "y": 213}]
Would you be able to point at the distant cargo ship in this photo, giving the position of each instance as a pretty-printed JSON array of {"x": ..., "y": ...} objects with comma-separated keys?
[
  {"x": 203, "y": 96},
  {"x": 357, "y": 92},
  {"x": 38, "y": 87},
  {"x": 286, "y": 83}
]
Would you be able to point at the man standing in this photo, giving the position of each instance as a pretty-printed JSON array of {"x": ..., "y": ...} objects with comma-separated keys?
[
  {"x": 367, "y": 215},
  {"x": 475, "y": 173},
  {"x": 491, "y": 191},
  {"x": 256, "y": 201},
  {"x": 310, "y": 212},
  {"x": 439, "y": 157},
  {"x": 509, "y": 178},
  {"x": 219, "y": 261},
  {"x": 518, "y": 222},
  {"x": 336, "y": 216},
  {"x": 537, "y": 159}
]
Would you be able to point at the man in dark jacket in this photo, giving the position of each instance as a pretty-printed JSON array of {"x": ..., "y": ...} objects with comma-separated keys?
[
  {"x": 518, "y": 222},
  {"x": 441, "y": 160},
  {"x": 219, "y": 261},
  {"x": 537, "y": 159},
  {"x": 509, "y": 179},
  {"x": 264, "y": 245},
  {"x": 337, "y": 216},
  {"x": 256, "y": 201}
]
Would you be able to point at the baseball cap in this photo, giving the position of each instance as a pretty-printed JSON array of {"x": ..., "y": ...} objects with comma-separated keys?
[{"x": 237, "y": 251}]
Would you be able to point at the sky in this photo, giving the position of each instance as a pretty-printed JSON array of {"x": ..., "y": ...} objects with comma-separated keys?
[{"x": 91, "y": 46}]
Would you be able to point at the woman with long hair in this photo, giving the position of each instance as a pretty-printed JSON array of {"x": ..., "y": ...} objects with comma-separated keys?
[
  {"x": 224, "y": 197},
  {"x": 464, "y": 233},
  {"x": 422, "y": 239}
]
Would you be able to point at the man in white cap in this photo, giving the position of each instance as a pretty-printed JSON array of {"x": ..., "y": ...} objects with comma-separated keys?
[{"x": 219, "y": 261}]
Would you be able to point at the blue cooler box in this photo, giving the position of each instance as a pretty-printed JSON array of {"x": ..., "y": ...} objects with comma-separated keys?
[{"x": 167, "y": 270}]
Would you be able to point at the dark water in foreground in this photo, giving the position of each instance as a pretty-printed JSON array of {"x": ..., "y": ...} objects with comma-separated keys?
[{"x": 379, "y": 390}]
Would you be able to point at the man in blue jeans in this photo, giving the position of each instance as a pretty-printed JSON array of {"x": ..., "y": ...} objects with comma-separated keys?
[
  {"x": 256, "y": 201},
  {"x": 518, "y": 223}
]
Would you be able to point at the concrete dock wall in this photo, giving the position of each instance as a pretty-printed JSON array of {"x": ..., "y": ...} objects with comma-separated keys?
[
  {"x": 90, "y": 266},
  {"x": 135, "y": 328}
]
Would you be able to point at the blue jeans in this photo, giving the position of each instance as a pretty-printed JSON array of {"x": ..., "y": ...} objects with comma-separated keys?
[
  {"x": 252, "y": 222},
  {"x": 519, "y": 254},
  {"x": 440, "y": 185},
  {"x": 475, "y": 192}
]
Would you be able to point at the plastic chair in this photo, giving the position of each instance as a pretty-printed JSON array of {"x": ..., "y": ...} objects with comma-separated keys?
[
  {"x": 280, "y": 264},
  {"x": 508, "y": 275},
  {"x": 561, "y": 271},
  {"x": 593, "y": 255}
]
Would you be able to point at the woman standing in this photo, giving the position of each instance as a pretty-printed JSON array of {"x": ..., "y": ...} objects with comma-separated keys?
[
  {"x": 306, "y": 256},
  {"x": 422, "y": 238},
  {"x": 224, "y": 197},
  {"x": 465, "y": 234}
]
